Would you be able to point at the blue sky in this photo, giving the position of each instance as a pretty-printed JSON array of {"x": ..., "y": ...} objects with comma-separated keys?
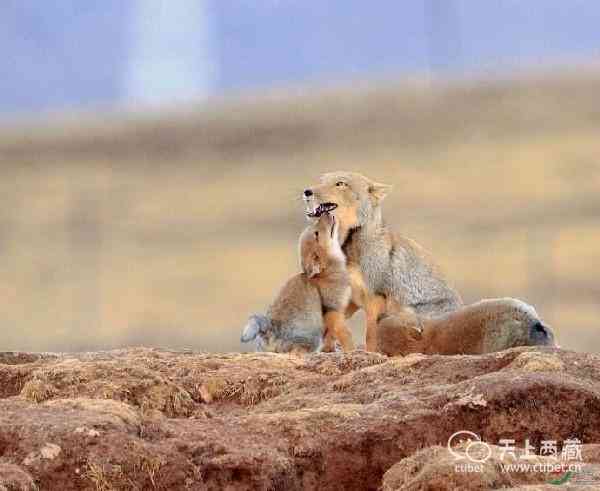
[{"x": 72, "y": 54}]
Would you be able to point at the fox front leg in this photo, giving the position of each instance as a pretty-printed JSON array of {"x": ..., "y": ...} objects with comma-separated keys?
[{"x": 335, "y": 322}]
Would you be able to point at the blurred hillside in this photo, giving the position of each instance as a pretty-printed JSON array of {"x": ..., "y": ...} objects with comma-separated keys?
[{"x": 170, "y": 230}]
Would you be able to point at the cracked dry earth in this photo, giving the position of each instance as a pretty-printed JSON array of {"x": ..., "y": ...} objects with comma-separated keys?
[{"x": 156, "y": 419}]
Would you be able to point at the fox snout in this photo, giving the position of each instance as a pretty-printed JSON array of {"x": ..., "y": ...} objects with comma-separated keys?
[
  {"x": 542, "y": 335},
  {"x": 314, "y": 205}
]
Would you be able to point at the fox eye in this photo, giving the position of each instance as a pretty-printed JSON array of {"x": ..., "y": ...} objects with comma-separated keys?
[{"x": 340, "y": 184}]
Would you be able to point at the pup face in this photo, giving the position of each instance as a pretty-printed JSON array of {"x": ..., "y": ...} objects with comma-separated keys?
[
  {"x": 535, "y": 332},
  {"x": 349, "y": 196},
  {"x": 541, "y": 335},
  {"x": 319, "y": 245},
  {"x": 523, "y": 326}
]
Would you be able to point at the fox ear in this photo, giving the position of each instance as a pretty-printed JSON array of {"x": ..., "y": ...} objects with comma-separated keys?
[{"x": 379, "y": 191}]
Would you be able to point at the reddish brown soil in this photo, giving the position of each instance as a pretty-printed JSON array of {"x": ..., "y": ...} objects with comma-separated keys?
[{"x": 154, "y": 419}]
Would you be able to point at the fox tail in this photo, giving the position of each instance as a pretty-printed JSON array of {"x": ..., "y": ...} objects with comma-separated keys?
[{"x": 257, "y": 324}]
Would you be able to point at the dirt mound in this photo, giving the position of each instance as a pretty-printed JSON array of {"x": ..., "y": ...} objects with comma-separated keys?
[
  {"x": 443, "y": 469},
  {"x": 156, "y": 419}
]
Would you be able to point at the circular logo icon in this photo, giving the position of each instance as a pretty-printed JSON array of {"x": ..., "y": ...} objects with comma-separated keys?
[{"x": 476, "y": 450}]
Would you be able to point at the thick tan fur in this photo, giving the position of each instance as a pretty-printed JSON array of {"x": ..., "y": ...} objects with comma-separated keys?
[
  {"x": 484, "y": 327},
  {"x": 323, "y": 261},
  {"x": 325, "y": 264},
  {"x": 293, "y": 323},
  {"x": 372, "y": 304},
  {"x": 382, "y": 265},
  {"x": 312, "y": 305}
]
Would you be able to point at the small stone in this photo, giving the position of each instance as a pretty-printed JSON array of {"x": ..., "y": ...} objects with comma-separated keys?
[
  {"x": 50, "y": 451},
  {"x": 31, "y": 458}
]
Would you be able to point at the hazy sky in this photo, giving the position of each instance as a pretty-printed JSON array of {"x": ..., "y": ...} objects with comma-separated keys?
[{"x": 69, "y": 53}]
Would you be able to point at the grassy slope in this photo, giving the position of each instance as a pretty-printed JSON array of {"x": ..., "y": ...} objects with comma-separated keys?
[{"x": 172, "y": 229}]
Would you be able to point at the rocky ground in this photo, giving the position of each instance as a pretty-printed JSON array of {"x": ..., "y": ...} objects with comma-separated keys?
[{"x": 155, "y": 419}]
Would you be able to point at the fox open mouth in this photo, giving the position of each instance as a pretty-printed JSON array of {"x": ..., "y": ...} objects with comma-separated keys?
[{"x": 322, "y": 208}]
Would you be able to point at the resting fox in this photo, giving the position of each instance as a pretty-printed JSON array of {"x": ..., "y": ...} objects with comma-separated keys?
[
  {"x": 388, "y": 266},
  {"x": 483, "y": 327},
  {"x": 311, "y": 303}
]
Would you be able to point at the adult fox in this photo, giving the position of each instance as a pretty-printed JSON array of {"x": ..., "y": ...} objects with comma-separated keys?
[{"x": 392, "y": 267}]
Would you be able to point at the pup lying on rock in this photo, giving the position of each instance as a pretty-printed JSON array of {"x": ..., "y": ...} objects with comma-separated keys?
[
  {"x": 483, "y": 327},
  {"x": 310, "y": 303}
]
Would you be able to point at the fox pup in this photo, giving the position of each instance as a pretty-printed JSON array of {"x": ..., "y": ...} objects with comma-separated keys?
[
  {"x": 310, "y": 303},
  {"x": 341, "y": 286},
  {"x": 324, "y": 263},
  {"x": 483, "y": 327}
]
